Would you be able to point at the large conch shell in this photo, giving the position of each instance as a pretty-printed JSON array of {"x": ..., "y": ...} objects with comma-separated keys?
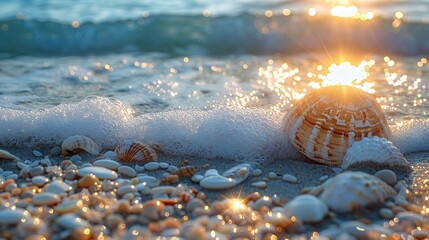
[{"x": 329, "y": 120}]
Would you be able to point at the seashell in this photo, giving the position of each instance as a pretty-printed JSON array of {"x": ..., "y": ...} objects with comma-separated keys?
[
  {"x": 349, "y": 191},
  {"x": 130, "y": 150},
  {"x": 186, "y": 171},
  {"x": 239, "y": 173},
  {"x": 5, "y": 155},
  {"x": 77, "y": 143},
  {"x": 306, "y": 208},
  {"x": 374, "y": 150},
  {"x": 327, "y": 121},
  {"x": 170, "y": 179}
]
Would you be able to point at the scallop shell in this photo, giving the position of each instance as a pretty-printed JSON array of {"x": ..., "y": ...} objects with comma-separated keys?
[
  {"x": 186, "y": 171},
  {"x": 5, "y": 155},
  {"x": 327, "y": 121},
  {"x": 77, "y": 143},
  {"x": 130, "y": 151},
  {"x": 375, "y": 150},
  {"x": 349, "y": 191}
]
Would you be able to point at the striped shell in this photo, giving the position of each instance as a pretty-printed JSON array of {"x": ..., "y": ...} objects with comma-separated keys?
[
  {"x": 349, "y": 191},
  {"x": 186, "y": 171},
  {"x": 327, "y": 121},
  {"x": 78, "y": 143},
  {"x": 375, "y": 150},
  {"x": 5, "y": 155},
  {"x": 132, "y": 151}
]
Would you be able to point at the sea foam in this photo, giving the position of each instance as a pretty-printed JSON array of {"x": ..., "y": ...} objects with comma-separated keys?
[{"x": 220, "y": 133}]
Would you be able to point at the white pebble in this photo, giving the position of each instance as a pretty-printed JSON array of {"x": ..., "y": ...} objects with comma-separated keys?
[
  {"x": 100, "y": 172},
  {"x": 272, "y": 175},
  {"x": 197, "y": 178},
  {"x": 37, "y": 153},
  {"x": 257, "y": 172},
  {"x": 387, "y": 176},
  {"x": 172, "y": 168},
  {"x": 217, "y": 182},
  {"x": 127, "y": 171},
  {"x": 46, "y": 198},
  {"x": 211, "y": 172},
  {"x": 164, "y": 165},
  {"x": 259, "y": 184},
  {"x": 107, "y": 163},
  {"x": 151, "y": 166},
  {"x": 290, "y": 178},
  {"x": 39, "y": 180}
]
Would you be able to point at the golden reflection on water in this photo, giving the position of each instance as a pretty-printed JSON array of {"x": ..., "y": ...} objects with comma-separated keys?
[{"x": 421, "y": 186}]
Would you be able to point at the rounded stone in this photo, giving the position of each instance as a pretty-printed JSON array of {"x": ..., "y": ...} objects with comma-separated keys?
[
  {"x": 127, "y": 171},
  {"x": 306, "y": 208},
  {"x": 217, "y": 182},
  {"x": 164, "y": 165},
  {"x": 36, "y": 171},
  {"x": 46, "y": 198},
  {"x": 100, "y": 172},
  {"x": 151, "y": 166},
  {"x": 9, "y": 216},
  {"x": 58, "y": 187},
  {"x": 107, "y": 163},
  {"x": 387, "y": 176},
  {"x": 197, "y": 178},
  {"x": 290, "y": 178},
  {"x": 69, "y": 206},
  {"x": 272, "y": 175},
  {"x": 37, "y": 153},
  {"x": 39, "y": 180},
  {"x": 72, "y": 221}
]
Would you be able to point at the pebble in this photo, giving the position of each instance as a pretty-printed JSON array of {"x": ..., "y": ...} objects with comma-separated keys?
[
  {"x": 139, "y": 168},
  {"x": 289, "y": 178},
  {"x": 387, "y": 176},
  {"x": 13, "y": 176},
  {"x": 9, "y": 216},
  {"x": 37, "y": 153},
  {"x": 151, "y": 166},
  {"x": 39, "y": 180},
  {"x": 217, "y": 182},
  {"x": 55, "y": 151},
  {"x": 126, "y": 189},
  {"x": 162, "y": 190},
  {"x": 197, "y": 178},
  {"x": 72, "y": 221},
  {"x": 307, "y": 208},
  {"x": 386, "y": 213},
  {"x": 211, "y": 172},
  {"x": 111, "y": 155},
  {"x": 172, "y": 168},
  {"x": 46, "y": 161},
  {"x": 127, "y": 171},
  {"x": 149, "y": 180},
  {"x": 259, "y": 184},
  {"x": 58, "y": 187},
  {"x": 107, "y": 163},
  {"x": 46, "y": 198},
  {"x": 272, "y": 175},
  {"x": 6, "y": 173},
  {"x": 164, "y": 165},
  {"x": 257, "y": 172},
  {"x": 75, "y": 158},
  {"x": 36, "y": 171},
  {"x": 100, "y": 172}
]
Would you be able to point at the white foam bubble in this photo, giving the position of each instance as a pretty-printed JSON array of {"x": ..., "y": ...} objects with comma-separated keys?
[{"x": 222, "y": 133}]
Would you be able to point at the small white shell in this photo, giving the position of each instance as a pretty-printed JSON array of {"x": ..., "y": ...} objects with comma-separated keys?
[
  {"x": 375, "y": 150},
  {"x": 349, "y": 191},
  {"x": 239, "y": 173},
  {"x": 306, "y": 208},
  {"x": 130, "y": 150},
  {"x": 5, "y": 155},
  {"x": 77, "y": 143}
]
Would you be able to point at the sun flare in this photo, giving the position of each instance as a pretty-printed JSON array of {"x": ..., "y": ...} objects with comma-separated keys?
[{"x": 348, "y": 74}]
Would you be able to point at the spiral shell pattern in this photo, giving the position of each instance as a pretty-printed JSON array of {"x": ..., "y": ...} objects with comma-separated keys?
[
  {"x": 134, "y": 151},
  {"x": 77, "y": 143},
  {"x": 329, "y": 120}
]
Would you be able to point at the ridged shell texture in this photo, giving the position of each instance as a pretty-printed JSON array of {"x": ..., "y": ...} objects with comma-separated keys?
[
  {"x": 131, "y": 151},
  {"x": 77, "y": 143},
  {"x": 376, "y": 150},
  {"x": 351, "y": 190},
  {"x": 327, "y": 121}
]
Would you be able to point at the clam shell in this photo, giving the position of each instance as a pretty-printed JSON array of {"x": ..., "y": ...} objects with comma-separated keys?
[
  {"x": 130, "y": 151},
  {"x": 77, "y": 143},
  {"x": 186, "y": 171},
  {"x": 327, "y": 121},
  {"x": 349, "y": 191},
  {"x": 375, "y": 150},
  {"x": 5, "y": 155}
]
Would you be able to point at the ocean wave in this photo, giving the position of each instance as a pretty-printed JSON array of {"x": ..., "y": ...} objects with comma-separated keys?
[
  {"x": 222, "y": 133},
  {"x": 219, "y": 35}
]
